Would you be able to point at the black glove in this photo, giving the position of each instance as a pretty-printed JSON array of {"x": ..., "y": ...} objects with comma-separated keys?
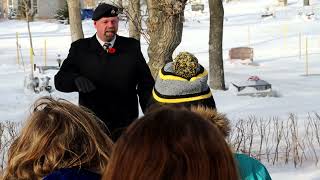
[{"x": 84, "y": 85}]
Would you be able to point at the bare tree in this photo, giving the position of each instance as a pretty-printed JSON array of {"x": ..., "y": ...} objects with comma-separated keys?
[
  {"x": 288, "y": 142},
  {"x": 165, "y": 24},
  {"x": 278, "y": 137},
  {"x": 268, "y": 145},
  {"x": 28, "y": 13},
  {"x": 283, "y": 2},
  {"x": 89, "y": 3},
  {"x": 316, "y": 124},
  {"x": 120, "y": 3},
  {"x": 75, "y": 20},
  {"x": 240, "y": 135},
  {"x": 215, "y": 45},
  {"x": 2, "y": 146},
  {"x": 262, "y": 126},
  {"x": 310, "y": 136},
  {"x": 8, "y": 133},
  {"x": 295, "y": 141},
  {"x": 134, "y": 15},
  {"x": 252, "y": 121}
]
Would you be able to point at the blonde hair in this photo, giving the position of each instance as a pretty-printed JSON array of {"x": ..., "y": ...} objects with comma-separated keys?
[{"x": 58, "y": 134}]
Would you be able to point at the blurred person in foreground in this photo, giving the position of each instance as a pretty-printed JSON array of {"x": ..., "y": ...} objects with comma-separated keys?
[
  {"x": 59, "y": 141},
  {"x": 171, "y": 144}
]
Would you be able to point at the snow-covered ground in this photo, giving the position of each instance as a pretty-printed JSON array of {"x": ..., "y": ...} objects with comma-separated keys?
[{"x": 276, "y": 59}]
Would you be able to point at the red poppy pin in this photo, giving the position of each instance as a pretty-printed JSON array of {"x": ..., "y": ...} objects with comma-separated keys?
[{"x": 111, "y": 50}]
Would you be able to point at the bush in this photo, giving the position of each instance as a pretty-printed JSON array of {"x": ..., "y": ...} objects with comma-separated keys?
[
  {"x": 23, "y": 7},
  {"x": 62, "y": 14},
  {"x": 286, "y": 140}
]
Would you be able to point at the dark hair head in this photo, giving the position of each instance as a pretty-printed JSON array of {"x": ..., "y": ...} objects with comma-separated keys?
[{"x": 171, "y": 144}]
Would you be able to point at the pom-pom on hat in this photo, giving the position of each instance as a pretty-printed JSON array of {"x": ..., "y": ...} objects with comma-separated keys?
[
  {"x": 105, "y": 10},
  {"x": 185, "y": 65}
]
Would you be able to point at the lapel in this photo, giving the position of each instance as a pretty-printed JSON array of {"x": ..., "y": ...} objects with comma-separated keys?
[
  {"x": 95, "y": 46},
  {"x": 117, "y": 43}
]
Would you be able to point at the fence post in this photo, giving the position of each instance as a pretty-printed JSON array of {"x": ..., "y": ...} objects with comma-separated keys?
[
  {"x": 300, "y": 45},
  {"x": 45, "y": 52},
  {"x": 31, "y": 61},
  {"x": 248, "y": 36},
  {"x": 285, "y": 34},
  {"x": 307, "y": 65},
  {"x": 17, "y": 42}
]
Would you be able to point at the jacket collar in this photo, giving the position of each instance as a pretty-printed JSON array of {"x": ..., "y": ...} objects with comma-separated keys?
[
  {"x": 96, "y": 47},
  {"x": 102, "y": 42}
]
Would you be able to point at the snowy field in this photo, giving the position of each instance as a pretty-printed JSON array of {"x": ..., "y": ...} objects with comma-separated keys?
[{"x": 278, "y": 58}]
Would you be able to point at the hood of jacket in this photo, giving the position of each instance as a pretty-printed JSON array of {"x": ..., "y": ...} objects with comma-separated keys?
[{"x": 218, "y": 119}]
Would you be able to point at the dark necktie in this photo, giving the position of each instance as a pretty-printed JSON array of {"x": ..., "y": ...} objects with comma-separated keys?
[{"x": 106, "y": 45}]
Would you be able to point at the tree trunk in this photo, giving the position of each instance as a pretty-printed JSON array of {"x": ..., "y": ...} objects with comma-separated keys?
[
  {"x": 75, "y": 20},
  {"x": 306, "y": 3},
  {"x": 134, "y": 14},
  {"x": 28, "y": 13},
  {"x": 215, "y": 45},
  {"x": 30, "y": 36},
  {"x": 89, "y": 3},
  {"x": 120, "y": 3},
  {"x": 283, "y": 2},
  {"x": 165, "y": 24}
]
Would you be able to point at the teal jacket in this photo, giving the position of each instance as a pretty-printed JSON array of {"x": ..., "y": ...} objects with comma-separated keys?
[{"x": 250, "y": 168}]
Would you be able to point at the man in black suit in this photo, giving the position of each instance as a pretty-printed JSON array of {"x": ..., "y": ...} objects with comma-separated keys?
[{"x": 108, "y": 71}]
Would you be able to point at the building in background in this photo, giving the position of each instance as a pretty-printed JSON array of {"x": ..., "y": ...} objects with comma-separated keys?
[
  {"x": 47, "y": 8},
  {"x": 44, "y": 9}
]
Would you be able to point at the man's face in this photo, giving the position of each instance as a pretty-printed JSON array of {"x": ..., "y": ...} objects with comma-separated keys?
[{"x": 106, "y": 27}]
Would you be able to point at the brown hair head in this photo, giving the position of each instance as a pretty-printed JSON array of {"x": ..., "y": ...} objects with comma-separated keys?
[
  {"x": 171, "y": 144},
  {"x": 58, "y": 134}
]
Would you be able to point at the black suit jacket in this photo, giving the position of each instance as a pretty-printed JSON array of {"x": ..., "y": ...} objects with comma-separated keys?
[{"x": 118, "y": 78}]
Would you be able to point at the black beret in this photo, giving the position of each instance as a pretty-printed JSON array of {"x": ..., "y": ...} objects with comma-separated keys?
[{"x": 105, "y": 10}]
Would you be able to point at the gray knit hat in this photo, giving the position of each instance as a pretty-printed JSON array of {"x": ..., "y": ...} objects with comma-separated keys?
[{"x": 171, "y": 88}]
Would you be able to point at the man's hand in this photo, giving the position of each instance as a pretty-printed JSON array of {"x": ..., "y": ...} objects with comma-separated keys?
[{"x": 84, "y": 85}]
